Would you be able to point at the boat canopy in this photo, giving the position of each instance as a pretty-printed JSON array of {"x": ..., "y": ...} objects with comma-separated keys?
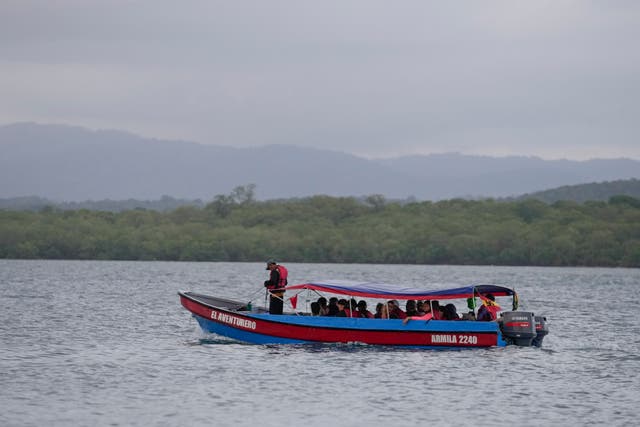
[{"x": 389, "y": 291}]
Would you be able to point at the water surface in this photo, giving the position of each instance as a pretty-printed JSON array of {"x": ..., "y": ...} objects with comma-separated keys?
[{"x": 107, "y": 343}]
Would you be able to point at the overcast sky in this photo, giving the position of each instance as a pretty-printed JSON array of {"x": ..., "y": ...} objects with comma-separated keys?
[{"x": 552, "y": 78}]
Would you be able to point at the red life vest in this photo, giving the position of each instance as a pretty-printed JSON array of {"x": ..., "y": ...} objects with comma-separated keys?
[
  {"x": 488, "y": 312},
  {"x": 283, "y": 276},
  {"x": 493, "y": 310}
]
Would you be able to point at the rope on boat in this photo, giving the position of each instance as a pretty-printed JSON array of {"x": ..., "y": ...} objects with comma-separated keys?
[{"x": 254, "y": 294}]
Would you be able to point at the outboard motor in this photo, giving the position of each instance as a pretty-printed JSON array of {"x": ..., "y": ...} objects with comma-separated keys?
[
  {"x": 542, "y": 330},
  {"x": 518, "y": 327}
]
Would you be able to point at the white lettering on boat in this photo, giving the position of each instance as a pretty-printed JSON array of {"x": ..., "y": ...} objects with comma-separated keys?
[
  {"x": 446, "y": 339},
  {"x": 233, "y": 320},
  {"x": 468, "y": 339},
  {"x": 454, "y": 339}
]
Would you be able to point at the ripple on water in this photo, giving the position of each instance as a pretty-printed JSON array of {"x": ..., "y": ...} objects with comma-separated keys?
[{"x": 108, "y": 343}]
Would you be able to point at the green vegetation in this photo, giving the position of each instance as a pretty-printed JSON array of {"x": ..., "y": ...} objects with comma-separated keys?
[
  {"x": 235, "y": 227},
  {"x": 596, "y": 191}
]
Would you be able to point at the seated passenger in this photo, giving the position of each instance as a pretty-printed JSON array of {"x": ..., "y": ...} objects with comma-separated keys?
[
  {"x": 383, "y": 312},
  {"x": 378, "y": 311},
  {"x": 333, "y": 306},
  {"x": 353, "y": 309},
  {"x": 425, "y": 314},
  {"x": 488, "y": 311},
  {"x": 411, "y": 308},
  {"x": 324, "y": 308},
  {"x": 391, "y": 312},
  {"x": 341, "y": 308},
  {"x": 436, "y": 310},
  {"x": 362, "y": 310},
  {"x": 450, "y": 312},
  {"x": 395, "y": 312},
  {"x": 347, "y": 310},
  {"x": 426, "y": 308},
  {"x": 469, "y": 316},
  {"x": 315, "y": 309}
]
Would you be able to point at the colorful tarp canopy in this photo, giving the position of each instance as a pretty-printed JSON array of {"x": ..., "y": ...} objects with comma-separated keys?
[{"x": 388, "y": 291}]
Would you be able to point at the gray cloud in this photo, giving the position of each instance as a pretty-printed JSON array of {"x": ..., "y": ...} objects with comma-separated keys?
[{"x": 375, "y": 78}]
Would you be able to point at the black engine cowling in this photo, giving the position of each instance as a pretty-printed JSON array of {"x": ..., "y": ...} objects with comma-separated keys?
[
  {"x": 542, "y": 330},
  {"x": 518, "y": 327}
]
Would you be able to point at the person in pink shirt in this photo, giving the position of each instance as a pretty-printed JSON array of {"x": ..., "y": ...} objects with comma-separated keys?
[{"x": 426, "y": 308}]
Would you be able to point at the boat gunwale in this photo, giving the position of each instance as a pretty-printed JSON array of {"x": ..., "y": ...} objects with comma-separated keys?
[{"x": 410, "y": 328}]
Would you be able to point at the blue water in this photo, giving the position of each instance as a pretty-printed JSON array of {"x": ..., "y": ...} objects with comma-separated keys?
[{"x": 107, "y": 343}]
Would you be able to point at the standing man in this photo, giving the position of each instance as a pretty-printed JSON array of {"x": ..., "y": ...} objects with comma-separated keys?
[{"x": 275, "y": 285}]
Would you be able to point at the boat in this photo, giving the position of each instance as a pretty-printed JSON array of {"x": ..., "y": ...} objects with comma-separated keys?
[{"x": 242, "y": 321}]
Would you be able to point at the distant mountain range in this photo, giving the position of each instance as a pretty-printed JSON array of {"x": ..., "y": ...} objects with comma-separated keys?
[
  {"x": 34, "y": 203},
  {"x": 65, "y": 163}
]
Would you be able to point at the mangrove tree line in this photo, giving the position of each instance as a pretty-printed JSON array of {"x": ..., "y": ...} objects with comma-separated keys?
[{"x": 236, "y": 227}]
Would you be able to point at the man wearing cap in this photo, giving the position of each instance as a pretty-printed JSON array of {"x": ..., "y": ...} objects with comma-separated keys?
[{"x": 275, "y": 285}]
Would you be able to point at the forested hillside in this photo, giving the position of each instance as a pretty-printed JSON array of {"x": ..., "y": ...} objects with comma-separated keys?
[
  {"x": 343, "y": 230},
  {"x": 594, "y": 191}
]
